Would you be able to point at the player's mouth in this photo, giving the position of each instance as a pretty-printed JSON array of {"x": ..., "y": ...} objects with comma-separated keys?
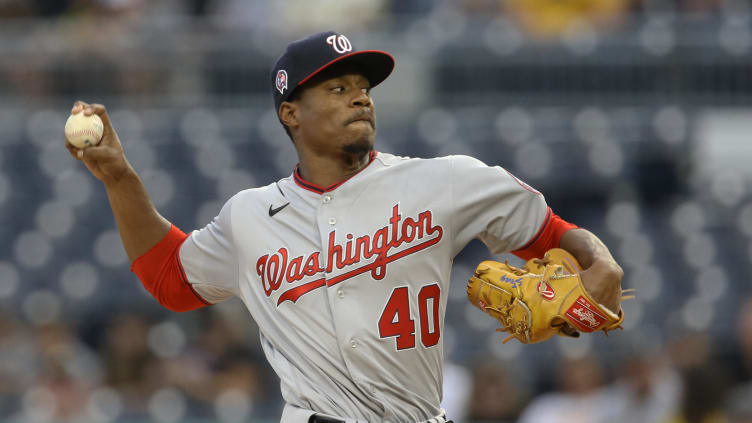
[{"x": 362, "y": 117}]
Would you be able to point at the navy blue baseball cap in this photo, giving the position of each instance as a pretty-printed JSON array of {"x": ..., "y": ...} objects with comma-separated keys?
[{"x": 305, "y": 58}]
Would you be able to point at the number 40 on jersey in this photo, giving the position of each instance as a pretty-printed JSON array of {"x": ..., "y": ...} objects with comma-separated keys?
[{"x": 396, "y": 320}]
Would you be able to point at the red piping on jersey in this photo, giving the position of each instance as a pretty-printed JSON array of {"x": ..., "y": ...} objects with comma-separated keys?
[
  {"x": 548, "y": 237},
  {"x": 318, "y": 189},
  {"x": 161, "y": 273},
  {"x": 522, "y": 184}
]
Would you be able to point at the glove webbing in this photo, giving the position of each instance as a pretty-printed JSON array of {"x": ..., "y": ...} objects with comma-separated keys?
[{"x": 520, "y": 328}]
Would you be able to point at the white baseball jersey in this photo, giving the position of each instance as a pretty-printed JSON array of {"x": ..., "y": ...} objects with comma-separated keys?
[{"x": 349, "y": 284}]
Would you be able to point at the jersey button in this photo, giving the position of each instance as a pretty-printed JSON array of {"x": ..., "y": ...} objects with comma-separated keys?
[
  {"x": 341, "y": 293},
  {"x": 326, "y": 199},
  {"x": 332, "y": 221},
  {"x": 353, "y": 344}
]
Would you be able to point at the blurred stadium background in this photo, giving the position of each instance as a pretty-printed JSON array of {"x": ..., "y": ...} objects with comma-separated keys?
[{"x": 632, "y": 116}]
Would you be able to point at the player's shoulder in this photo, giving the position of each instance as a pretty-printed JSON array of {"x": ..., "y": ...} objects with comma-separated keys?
[
  {"x": 461, "y": 160},
  {"x": 457, "y": 160},
  {"x": 256, "y": 194},
  {"x": 389, "y": 159},
  {"x": 404, "y": 166}
]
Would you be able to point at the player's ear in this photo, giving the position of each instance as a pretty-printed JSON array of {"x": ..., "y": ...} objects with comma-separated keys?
[{"x": 288, "y": 114}]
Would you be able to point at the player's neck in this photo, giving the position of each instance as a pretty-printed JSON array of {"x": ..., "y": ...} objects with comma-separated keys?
[{"x": 327, "y": 170}]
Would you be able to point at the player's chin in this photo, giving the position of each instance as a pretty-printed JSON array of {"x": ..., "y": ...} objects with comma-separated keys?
[
  {"x": 361, "y": 132},
  {"x": 361, "y": 145}
]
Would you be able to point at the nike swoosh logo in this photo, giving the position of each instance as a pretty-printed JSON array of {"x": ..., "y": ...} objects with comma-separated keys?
[{"x": 273, "y": 211}]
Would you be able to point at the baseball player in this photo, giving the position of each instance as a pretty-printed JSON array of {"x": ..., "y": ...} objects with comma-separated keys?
[{"x": 344, "y": 264}]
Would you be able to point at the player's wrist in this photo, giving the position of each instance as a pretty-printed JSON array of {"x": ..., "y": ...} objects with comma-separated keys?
[
  {"x": 602, "y": 280},
  {"x": 608, "y": 268}
]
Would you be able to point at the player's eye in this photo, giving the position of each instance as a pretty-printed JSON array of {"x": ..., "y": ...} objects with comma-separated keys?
[{"x": 338, "y": 89}]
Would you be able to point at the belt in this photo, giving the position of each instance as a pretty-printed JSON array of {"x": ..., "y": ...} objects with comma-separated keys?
[{"x": 323, "y": 419}]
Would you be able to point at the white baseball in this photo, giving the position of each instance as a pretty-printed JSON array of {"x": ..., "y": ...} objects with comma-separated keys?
[{"x": 84, "y": 131}]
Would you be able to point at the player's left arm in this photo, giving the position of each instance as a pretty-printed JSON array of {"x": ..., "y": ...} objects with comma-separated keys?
[{"x": 602, "y": 275}]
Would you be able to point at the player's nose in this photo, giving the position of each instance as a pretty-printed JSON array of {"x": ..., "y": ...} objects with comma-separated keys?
[{"x": 362, "y": 99}]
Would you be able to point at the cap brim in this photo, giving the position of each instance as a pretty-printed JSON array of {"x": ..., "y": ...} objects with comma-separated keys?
[{"x": 376, "y": 65}]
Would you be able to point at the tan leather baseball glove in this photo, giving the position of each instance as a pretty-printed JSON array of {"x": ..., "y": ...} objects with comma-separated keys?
[{"x": 542, "y": 299}]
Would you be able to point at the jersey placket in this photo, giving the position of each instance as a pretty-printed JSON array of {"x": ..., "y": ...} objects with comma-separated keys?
[
  {"x": 332, "y": 221},
  {"x": 327, "y": 217}
]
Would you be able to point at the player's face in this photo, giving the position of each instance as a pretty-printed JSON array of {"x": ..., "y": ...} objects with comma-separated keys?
[{"x": 336, "y": 113}]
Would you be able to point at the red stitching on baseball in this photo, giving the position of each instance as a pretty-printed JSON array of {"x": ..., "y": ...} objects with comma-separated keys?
[{"x": 82, "y": 132}]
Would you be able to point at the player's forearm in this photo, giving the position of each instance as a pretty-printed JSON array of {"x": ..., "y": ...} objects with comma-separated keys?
[{"x": 140, "y": 225}]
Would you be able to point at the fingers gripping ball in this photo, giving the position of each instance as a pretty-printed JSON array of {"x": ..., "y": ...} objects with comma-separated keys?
[
  {"x": 84, "y": 131},
  {"x": 533, "y": 307}
]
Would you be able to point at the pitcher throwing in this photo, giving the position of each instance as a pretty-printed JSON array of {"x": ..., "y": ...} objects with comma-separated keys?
[{"x": 345, "y": 264}]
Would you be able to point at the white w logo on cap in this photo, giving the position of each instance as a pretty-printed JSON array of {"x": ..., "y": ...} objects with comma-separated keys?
[{"x": 339, "y": 43}]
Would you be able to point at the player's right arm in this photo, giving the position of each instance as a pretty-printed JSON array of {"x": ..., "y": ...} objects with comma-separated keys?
[
  {"x": 151, "y": 241},
  {"x": 141, "y": 226}
]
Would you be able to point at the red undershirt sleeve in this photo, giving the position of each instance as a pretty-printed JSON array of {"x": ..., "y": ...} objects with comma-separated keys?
[
  {"x": 548, "y": 237},
  {"x": 161, "y": 273}
]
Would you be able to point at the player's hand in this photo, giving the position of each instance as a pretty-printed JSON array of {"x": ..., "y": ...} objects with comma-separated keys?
[
  {"x": 602, "y": 280},
  {"x": 106, "y": 161}
]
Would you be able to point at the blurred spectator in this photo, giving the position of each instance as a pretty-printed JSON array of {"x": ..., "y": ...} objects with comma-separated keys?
[
  {"x": 738, "y": 358},
  {"x": 241, "y": 382},
  {"x": 488, "y": 8},
  {"x": 52, "y": 8},
  {"x": 218, "y": 337},
  {"x": 689, "y": 349},
  {"x": 304, "y": 16},
  {"x": 739, "y": 404},
  {"x": 102, "y": 36},
  {"x": 47, "y": 372},
  {"x": 578, "y": 398},
  {"x": 18, "y": 368},
  {"x": 291, "y": 18},
  {"x": 69, "y": 371},
  {"x": 219, "y": 365},
  {"x": 702, "y": 401},
  {"x": 689, "y": 7},
  {"x": 199, "y": 7},
  {"x": 647, "y": 390},
  {"x": 417, "y": 8},
  {"x": 15, "y": 9},
  {"x": 704, "y": 381},
  {"x": 130, "y": 367},
  {"x": 496, "y": 394},
  {"x": 547, "y": 19}
]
